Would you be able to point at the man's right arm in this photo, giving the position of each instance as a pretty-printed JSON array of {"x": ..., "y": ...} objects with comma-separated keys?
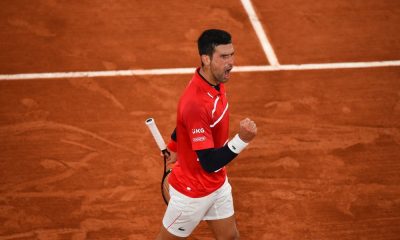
[
  {"x": 172, "y": 148},
  {"x": 172, "y": 142}
]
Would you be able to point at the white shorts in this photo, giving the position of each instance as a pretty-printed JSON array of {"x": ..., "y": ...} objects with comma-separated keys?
[{"x": 184, "y": 213}]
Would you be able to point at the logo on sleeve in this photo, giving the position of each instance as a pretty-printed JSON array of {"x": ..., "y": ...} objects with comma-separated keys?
[
  {"x": 199, "y": 139},
  {"x": 197, "y": 130}
]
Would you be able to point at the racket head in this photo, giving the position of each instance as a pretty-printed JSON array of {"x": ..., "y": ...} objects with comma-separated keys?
[{"x": 165, "y": 186}]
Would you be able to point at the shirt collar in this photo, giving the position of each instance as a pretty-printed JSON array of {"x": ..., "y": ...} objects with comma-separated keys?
[{"x": 206, "y": 87}]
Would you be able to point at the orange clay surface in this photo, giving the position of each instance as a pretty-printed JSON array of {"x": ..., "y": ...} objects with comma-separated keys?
[{"x": 77, "y": 161}]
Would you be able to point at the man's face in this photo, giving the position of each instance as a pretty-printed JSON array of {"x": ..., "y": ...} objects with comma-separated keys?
[{"x": 222, "y": 62}]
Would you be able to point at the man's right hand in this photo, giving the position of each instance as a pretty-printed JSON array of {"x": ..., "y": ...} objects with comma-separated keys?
[
  {"x": 171, "y": 159},
  {"x": 248, "y": 130}
]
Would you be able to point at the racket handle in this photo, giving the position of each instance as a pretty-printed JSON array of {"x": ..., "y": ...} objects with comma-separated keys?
[
  {"x": 151, "y": 124},
  {"x": 166, "y": 153}
]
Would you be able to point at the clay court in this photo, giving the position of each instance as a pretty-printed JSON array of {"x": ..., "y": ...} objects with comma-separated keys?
[{"x": 79, "y": 78}]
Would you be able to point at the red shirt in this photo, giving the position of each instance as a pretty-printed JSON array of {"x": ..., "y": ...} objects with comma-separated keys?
[{"x": 202, "y": 122}]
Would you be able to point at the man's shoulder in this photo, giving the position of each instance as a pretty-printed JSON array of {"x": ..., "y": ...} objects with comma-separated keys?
[
  {"x": 194, "y": 94},
  {"x": 190, "y": 102},
  {"x": 194, "y": 104}
]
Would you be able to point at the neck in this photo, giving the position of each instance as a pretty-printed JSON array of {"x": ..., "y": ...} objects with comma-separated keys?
[{"x": 207, "y": 75}]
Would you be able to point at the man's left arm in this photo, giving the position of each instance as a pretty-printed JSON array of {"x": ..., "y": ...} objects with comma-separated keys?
[{"x": 213, "y": 159}]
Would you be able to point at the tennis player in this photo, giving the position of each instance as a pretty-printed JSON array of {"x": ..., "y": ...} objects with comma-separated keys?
[{"x": 199, "y": 187}]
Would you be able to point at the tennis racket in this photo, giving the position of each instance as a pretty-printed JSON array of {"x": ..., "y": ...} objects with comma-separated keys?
[{"x": 151, "y": 124}]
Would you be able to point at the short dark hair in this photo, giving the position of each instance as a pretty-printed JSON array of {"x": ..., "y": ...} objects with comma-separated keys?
[{"x": 211, "y": 38}]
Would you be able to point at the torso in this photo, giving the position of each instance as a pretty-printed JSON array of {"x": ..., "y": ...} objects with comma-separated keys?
[{"x": 202, "y": 122}]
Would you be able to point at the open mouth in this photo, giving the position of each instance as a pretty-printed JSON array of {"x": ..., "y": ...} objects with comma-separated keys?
[{"x": 227, "y": 72}]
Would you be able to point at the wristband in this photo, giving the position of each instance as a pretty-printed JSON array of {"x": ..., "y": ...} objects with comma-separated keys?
[
  {"x": 172, "y": 145},
  {"x": 237, "y": 145}
]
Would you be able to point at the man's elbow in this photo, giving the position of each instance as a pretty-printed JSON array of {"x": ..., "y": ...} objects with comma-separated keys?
[{"x": 206, "y": 166}]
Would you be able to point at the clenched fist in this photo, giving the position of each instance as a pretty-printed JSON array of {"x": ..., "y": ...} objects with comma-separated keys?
[{"x": 248, "y": 130}]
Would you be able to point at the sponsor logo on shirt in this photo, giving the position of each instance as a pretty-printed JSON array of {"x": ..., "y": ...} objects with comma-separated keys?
[
  {"x": 197, "y": 130},
  {"x": 199, "y": 139}
]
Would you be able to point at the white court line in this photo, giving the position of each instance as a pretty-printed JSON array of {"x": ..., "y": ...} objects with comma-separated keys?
[
  {"x": 91, "y": 74},
  {"x": 317, "y": 66},
  {"x": 262, "y": 36},
  {"x": 176, "y": 71}
]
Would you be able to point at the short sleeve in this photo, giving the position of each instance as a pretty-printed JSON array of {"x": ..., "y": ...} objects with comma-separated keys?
[{"x": 197, "y": 122}]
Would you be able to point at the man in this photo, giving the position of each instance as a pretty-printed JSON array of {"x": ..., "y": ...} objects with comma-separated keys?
[{"x": 199, "y": 187}]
